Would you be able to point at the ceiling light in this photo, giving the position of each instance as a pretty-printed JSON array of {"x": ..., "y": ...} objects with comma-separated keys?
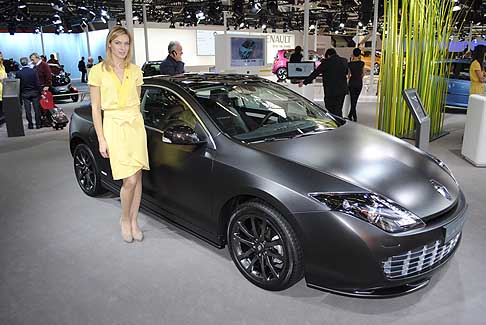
[
  {"x": 360, "y": 24},
  {"x": 242, "y": 25},
  {"x": 21, "y": 5},
  {"x": 456, "y": 8}
]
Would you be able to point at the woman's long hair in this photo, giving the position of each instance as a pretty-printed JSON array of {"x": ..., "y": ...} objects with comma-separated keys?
[
  {"x": 114, "y": 33},
  {"x": 478, "y": 55}
]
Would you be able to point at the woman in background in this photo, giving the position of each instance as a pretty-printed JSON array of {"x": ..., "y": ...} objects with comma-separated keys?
[
  {"x": 115, "y": 86},
  {"x": 476, "y": 71},
  {"x": 297, "y": 55},
  {"x": 355, "y": 83},
  {"x": 3, "y": 75}
]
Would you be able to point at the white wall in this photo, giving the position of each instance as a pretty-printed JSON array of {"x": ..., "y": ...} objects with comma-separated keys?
[{"x": 159, "y": 36}]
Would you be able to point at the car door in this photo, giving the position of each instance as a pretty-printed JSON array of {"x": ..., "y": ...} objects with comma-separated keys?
[
  {"x": 179, "y": 175},
  {"x": 458, "y": 85}
]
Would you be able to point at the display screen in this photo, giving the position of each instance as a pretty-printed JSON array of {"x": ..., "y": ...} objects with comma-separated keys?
[
  {"x": 247, "y": 52},
  {"x": 415, "y": 104},
  {"x": 11, "y": 87},
  {"x": 300, "y": 69}
]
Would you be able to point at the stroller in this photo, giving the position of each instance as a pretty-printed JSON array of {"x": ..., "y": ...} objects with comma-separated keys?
[{"x": 51, "y": 115}]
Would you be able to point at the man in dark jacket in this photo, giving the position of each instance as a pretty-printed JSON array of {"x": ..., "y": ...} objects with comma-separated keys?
[
  {"x": 30, "y": 92},
  {"x": 334, "y": 70},
  {"x": 43, "y": 71},
  {"x": 82, "y": 69},
  {"x": 173, "y": 64}
]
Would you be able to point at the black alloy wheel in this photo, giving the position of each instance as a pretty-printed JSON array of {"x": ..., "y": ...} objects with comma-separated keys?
[
  {"x": 86, "y": 171},
  {"x": 282, "y": 73},
  {"x": 264, "y": 246}
]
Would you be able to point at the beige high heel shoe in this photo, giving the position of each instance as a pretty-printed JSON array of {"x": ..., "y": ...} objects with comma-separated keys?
[
  {"x": 137, "y": 235},
  {"x": 126, "y": 232}
]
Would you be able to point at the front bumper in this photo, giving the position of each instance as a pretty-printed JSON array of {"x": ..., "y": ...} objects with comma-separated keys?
[{"x": 346, "y": 255}]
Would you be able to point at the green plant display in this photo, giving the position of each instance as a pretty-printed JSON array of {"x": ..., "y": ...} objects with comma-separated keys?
[{"x": 414, "y": 52}]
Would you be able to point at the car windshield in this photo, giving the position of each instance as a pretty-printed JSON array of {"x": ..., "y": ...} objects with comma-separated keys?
[{"x": 262, "y": 111}]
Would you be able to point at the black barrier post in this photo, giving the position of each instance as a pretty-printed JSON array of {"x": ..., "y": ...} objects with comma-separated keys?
[
  {"x": 420, "y": 117},
  {"x": 12, "y": 108}
]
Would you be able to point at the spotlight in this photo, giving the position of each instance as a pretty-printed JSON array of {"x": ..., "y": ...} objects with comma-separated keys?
[
  {"x": 36, "y": 30},
  {"x": 135, "y": 18},
  {"x": 242, "y": 25},
  {"x": 360, "y": 24},
  {"x": 341, "y": 25},
  {"x": 456, "y": 8},
  {"x": 21, "y": 5}
]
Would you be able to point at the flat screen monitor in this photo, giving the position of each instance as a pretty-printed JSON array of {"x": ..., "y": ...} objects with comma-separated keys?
[
  {"x": 11, "y": 87},
  {"x": 300, "y": 70},
  {"x": 247, "y": 51},
  {"x": 415, "y": 104}
]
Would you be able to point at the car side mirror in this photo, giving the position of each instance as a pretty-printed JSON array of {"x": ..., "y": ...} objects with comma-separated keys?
[{"x": 183, "y": 135}]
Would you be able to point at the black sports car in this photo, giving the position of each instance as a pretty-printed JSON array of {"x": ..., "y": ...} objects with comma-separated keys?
[{"x": 290, "y": 189}]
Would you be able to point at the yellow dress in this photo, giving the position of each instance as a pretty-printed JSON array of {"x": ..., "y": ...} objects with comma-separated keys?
[
  {"x": 477, "y": 87},
  {"x": 3, "y": 75},
  {"x": 123, "y": 125}
]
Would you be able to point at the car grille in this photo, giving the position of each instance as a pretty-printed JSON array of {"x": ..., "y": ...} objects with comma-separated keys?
[{"x": 419, "y": 260}]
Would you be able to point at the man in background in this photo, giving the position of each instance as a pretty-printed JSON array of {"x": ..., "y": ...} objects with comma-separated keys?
[
  {"x": 82, "y": 69},
  {"x": 334, "y": 70},
  {"x": 30, "y": 92},
  {"x": 173, "y": 64},
  {"x": 43, "y": 71}
]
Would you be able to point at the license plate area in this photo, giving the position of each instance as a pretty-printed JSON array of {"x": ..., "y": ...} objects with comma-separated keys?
[{"x": 453, "y": 228}]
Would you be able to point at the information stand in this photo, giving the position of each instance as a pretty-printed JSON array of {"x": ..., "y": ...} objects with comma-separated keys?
[
  {"x": 474, "y": 141},
  {"x": 12, "y": 108},
  {"x": 420, "y": 117}
]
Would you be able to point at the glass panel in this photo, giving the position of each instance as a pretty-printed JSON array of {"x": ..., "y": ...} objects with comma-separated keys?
[
  {"x": 162, "y": 109},
  {"x": 254, "y": 111}
]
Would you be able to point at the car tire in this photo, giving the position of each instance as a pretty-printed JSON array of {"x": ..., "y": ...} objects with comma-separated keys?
[
  {"x": 86, "y": 171},
  {"x": 376, "y": 69},
  {"x": 264, "y": 246},
  {"x": 281, "y": 73}
]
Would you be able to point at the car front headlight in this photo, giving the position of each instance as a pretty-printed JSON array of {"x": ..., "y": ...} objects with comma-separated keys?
[{"x": 374, "y": 208}]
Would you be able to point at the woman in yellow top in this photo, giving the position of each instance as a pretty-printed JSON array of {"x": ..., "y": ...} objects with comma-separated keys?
[
  {"x": 476, "y": 71},
  {"x": 3, "y": 75},
  {"x": 115, "y": 87}
]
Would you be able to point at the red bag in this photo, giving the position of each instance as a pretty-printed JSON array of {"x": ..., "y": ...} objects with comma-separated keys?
[{"x": 47, "y": 100}]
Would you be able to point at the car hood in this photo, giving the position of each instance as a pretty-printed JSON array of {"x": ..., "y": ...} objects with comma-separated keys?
[{"x": 374, "y": 161}]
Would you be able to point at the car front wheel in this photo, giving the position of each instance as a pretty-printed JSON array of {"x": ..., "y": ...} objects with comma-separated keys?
[
  {"x": 264, "y": 246},
  {"x": 282, "y": 73},
  {"x": 86, "y": 170}
]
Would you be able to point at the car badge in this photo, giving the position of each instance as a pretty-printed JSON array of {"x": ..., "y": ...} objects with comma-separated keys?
[{"x": 441, "y": 189}]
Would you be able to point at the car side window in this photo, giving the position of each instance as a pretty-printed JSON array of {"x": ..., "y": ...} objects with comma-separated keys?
[{"x": 162, "y": 108}]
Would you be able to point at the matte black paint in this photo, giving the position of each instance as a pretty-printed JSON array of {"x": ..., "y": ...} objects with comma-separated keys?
[{"x": 342, "y": 253}]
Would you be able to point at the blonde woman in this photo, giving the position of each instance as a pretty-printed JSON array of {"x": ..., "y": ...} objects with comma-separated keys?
[
  {"x": 115, "y": 87},
  {"x": 3, "y": 75}
]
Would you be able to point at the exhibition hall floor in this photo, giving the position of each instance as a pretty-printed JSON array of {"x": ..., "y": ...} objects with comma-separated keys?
[{"x": 63, "y": 260}]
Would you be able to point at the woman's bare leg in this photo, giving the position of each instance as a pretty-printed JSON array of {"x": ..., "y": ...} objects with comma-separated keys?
[
  {"x": 135, "y": 206},
  {"x": 126, "y": 196}
]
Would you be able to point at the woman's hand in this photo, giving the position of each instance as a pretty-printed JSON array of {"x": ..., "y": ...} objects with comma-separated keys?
[{"x": 104, "y": 149}]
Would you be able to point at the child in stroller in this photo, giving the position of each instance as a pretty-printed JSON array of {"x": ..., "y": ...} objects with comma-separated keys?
[{"x": 51, "y": 115}]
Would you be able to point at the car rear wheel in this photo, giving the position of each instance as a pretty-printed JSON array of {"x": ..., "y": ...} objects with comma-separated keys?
[
  {"x": 264, "y": 246},
  {"x": 282, "y": 73},
  {"x": 86, "y": 170}
]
